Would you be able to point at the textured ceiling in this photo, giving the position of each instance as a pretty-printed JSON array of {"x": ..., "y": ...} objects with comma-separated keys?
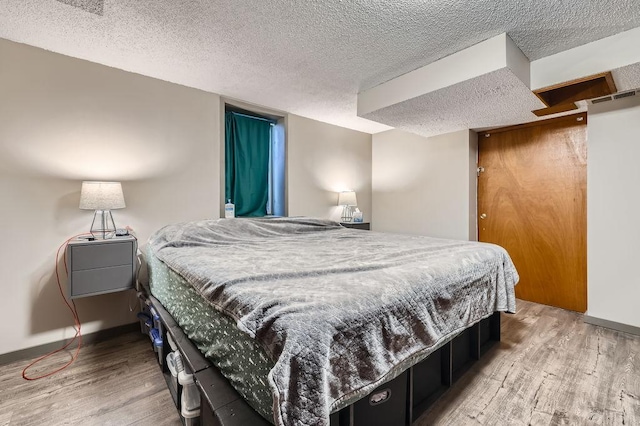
[
  {"x": 627, "y": 78},
  {"x": 91, "y": 6},
  {"x": 306, "y": 57}
]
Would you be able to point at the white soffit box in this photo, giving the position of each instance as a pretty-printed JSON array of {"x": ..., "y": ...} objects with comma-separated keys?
[
  {"x": 486, "y": 85},
  {"x": 495, "y": 99},
  {"x": 615, "y": 52},
  {"x": 490, "y": 55}
]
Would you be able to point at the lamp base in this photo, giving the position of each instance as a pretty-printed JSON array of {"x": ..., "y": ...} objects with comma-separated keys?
[
  {"x": 103, "y": 227},
  {"x": 347, "y": 214}
]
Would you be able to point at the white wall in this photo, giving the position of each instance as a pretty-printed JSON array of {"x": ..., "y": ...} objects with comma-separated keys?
[
  {"x": 425, "y": 185},
  {"x": 323, "y": 160},
  {"x": 64, "y": 120},
  {"x": 613, "y": 203}
]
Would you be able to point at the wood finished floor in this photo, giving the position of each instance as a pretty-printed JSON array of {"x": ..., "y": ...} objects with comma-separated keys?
[
  {"x": 116, "y": 382},
  {"x": 549, "y": 369}
]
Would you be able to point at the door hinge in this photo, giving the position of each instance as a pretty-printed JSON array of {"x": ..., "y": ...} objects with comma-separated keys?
[{"x": 479, "y": 170}]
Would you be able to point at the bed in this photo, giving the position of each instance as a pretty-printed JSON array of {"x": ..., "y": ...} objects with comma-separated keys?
[{"x": 306, "y": 318}]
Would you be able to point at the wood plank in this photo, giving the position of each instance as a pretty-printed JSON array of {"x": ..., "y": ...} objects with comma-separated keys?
[
  {"x": 593, "y": 86},
  {"x": 555, "y": 109},
  {"x": 549, "y": 368},
  {"x": 113, "y": 382},
  {"x": 5, "y": 417}
]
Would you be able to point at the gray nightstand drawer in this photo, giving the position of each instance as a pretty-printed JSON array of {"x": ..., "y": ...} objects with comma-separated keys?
[
  {"x": 103, "y": 280},
  {"x": 101, "y": 255},
  {"x": 357, "y": 225},
  {"x": 101, "y": 266}
]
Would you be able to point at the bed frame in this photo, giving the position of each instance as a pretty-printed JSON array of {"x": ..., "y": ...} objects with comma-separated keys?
[{"x": 398, "y": 402}]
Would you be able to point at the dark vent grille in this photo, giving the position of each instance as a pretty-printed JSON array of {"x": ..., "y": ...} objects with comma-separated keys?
[
  {"x": 600, "y": 100},
  {"x": 91, "y": 6},
  {"x": 624, "y": 95}
]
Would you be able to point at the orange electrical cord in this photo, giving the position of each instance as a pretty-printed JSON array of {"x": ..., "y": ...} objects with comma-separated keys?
[{"x": 76, "y": 319}]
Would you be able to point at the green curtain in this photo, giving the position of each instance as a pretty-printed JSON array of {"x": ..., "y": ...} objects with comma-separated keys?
[{"x": 247, "y": 143}]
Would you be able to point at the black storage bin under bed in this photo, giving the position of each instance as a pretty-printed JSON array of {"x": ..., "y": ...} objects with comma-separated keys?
[{"x": 398, "y": 402}]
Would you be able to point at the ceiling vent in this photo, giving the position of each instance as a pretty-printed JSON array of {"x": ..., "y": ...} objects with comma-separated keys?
[
  {"x": 621, "y": 95},
  {"x": 624, "y": 95},
  {"x": 600, "y": 100}
]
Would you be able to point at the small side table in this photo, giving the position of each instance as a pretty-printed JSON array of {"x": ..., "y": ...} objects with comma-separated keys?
[
  {"x": 357, "y": 225},
  {"x": 101, "y": 266}
]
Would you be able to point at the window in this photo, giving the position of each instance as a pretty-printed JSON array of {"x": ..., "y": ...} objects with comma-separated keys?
[{"x": 254, "y": 163}]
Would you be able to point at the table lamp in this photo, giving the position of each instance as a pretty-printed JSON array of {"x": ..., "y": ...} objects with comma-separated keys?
[
  {"x": 102, "y": 197},
  {"x": 347, "y": 199}
]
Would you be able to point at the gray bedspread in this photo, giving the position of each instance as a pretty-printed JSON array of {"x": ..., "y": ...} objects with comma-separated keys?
[{"x": 339, "y": 311}]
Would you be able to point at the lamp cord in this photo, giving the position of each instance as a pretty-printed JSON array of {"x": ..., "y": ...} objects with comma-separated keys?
[{"x": 74, "y": 312}]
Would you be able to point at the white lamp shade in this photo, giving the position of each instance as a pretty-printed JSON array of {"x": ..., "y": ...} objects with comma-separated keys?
[
  {"x": 347, "y": 198},
  {"x": 101, "y": 196}
]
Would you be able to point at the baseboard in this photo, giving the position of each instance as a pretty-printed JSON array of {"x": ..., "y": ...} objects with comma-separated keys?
[
  {"x": 612, "y": 325},
  {"x": 87, "y": 339}
]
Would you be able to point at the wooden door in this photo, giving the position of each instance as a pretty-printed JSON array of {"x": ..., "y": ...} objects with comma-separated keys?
[{"x": 532, "y": 201}]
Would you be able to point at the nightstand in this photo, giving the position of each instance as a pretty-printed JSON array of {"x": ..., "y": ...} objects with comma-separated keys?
[
  {"x": 101, "y": 266},
  {"x": 357, "y": 225}
]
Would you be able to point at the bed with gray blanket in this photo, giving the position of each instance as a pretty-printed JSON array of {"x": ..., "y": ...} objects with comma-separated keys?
[{"x": 338, "y": 311}]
